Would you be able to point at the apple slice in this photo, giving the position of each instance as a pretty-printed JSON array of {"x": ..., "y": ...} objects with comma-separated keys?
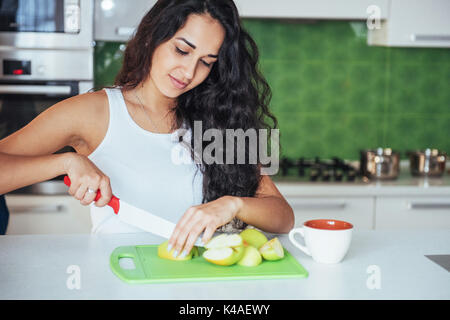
[
  {"x": 224, "y": 240},
  {"x": 224, "y": 256},
  {"x": 251, "y": 257},
  {"x": 224, "y": 249},
  {"x": 253, "y": 237},
  {"x": 272, "y": 250},
  {"x": 163, "y": 253}
]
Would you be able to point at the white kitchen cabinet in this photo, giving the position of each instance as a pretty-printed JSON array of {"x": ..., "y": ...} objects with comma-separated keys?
[
  {"x": 414, "y": 23},
  {"x": 307, "y": 9},
  {"x": 116, "y": 20},
  {"x": 41, "y": 214},
  {"x": 359, "y": 211},
  {"x": 412, "y": 213}
]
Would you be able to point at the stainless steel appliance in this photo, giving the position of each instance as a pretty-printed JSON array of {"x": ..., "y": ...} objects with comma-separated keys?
[
  {"x": 428, "y": 162},
  {"x": 319, "y": 170},
  {"x": 383, "y": 164},
  {"x": 46, "y": 24},
  {"x": 45, "y": 56}
]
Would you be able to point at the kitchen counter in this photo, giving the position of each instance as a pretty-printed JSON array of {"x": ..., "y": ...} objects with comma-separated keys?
[
  {"x": 405, "y": 184},
  {"x": 39, "y": 267}
]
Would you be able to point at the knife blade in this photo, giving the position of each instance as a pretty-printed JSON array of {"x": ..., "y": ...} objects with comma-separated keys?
[{"x": 138, "y": 217}]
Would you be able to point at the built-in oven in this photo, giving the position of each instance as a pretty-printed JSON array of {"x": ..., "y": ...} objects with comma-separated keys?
[
  {"x": 46, "y": 23},
  {"x": 22, "y": 100},
  {"x": 46, "y": 56}
]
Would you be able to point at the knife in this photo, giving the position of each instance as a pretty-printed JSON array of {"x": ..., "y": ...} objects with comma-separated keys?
[{"x": 139, "y": 218}]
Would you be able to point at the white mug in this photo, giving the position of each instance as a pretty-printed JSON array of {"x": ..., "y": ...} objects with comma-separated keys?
[{"x": 326, "y": 240}]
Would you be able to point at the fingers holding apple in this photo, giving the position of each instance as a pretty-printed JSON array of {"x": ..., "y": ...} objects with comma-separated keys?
[
  {"x": 164, "y": 253},
  {"x": 229, "y": 249}
]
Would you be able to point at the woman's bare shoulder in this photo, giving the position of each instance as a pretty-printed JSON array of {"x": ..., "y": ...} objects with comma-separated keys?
[
  {"x": 90, "y": 112},
  {"x": 80, "y": 121}
]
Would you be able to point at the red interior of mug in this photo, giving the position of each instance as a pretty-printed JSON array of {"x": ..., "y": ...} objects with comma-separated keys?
[{"x": 328, "y": 224}]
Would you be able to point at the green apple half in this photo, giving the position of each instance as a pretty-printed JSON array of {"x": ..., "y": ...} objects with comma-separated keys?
[
  {"x": 251, "y": 257},
  {"x": 163, "y": 253},
  {"x": 224, "y": 249},
  {"x": 253, "y": 237},
  {"x": 272, "y": 250}
]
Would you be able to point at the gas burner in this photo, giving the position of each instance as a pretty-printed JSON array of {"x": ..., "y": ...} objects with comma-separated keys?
[{"x": 319, "y": 170}]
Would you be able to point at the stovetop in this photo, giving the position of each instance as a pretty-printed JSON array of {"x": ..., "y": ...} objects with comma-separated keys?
[{"x": 319, "y": 170}]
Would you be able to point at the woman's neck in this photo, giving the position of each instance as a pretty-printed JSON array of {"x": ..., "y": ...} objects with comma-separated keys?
[
  {"x": 154, "y": 101},
  {"x": 157, "y": 106}
]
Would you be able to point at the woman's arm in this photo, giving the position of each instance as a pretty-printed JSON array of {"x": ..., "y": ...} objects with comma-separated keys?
[
  {"x": 26, "y": 156},
  {"x": 268, "y": 210},
  {"x": 19, "y": 171}
]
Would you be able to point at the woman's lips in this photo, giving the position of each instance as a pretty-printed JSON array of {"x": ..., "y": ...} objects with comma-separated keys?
[{"x": 178, "y": 84}]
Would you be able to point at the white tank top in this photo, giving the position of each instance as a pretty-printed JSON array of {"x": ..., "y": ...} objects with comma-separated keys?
[{"x": 142, "y": 171}]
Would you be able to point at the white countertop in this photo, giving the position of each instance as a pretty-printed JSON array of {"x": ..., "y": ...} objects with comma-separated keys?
[{"x": 35, "y": 267}]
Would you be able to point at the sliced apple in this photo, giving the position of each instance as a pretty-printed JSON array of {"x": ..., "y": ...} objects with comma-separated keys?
[
  {"x": 224, "y": 240},
  {"x": 224, "y": 249},
  {"x": 224, "y": 256},
  {"x": 163, "y": 253},
  {"x": 253, "y": 237},
  {"x": 272, "y": 250},
  {"x": 251, "y": 257}
]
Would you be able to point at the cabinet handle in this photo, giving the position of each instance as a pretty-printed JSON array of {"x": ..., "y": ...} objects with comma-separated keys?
[
  {"x": 429, "y": 37},
  {"x": 35, "y": 89},
  {"x": 318, "y": 206},
  {"x": 125, "y": 31},
  {"x": 38, "y": 208},
  {"x": 419, "y": 206}
]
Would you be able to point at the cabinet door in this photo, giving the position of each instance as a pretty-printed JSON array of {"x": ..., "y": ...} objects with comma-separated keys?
[
  {"x": 358, "y": 211},
  {"x": 117, "y": 20},
  {"x": 414, "y": 23},
  {"x": 306, "y": 9},
  {"x": 412, "y": 213},
  {"x": 31, "y": 214}
]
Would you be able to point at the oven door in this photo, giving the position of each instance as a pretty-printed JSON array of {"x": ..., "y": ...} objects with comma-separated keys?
[
  {"x": 54, "y": 24},
  {"x": 21, "y": 102}
]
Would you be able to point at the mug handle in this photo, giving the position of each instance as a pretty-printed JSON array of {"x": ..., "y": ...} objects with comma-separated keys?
[{"x": 295, "y": 243}]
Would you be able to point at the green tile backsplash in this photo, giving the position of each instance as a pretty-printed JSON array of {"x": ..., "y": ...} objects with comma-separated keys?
[{"x": 333, "y": 95}]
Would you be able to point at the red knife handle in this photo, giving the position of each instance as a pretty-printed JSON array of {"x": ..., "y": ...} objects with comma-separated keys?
[{"x": 113, "y": 203}]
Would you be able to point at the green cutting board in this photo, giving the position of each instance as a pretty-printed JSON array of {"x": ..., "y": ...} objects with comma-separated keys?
[{"x": 149, "y": 268}]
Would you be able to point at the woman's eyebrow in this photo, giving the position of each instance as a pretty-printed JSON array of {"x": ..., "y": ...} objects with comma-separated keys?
[{"x": 194, "y": 46}]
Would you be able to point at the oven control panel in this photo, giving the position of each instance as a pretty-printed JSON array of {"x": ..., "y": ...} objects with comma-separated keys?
[{"x": 16, "y": 67}]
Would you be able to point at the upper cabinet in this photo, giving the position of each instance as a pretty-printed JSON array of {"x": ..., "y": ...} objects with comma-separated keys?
[
  {"x": 414, "y": 23},
  {"x": 311, "y": 9},
  {"x": 116, "y": 20},
  {"x": 408, "y": 23}
]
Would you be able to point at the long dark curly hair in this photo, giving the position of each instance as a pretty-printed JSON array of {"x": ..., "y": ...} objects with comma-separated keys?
[{"x": 235, "y": 94}]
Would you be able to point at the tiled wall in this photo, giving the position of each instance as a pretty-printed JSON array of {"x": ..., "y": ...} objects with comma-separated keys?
[{"x": 333, "y": 95}]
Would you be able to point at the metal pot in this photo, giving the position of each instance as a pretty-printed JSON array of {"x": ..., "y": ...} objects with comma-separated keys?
[
  {"x": 428, "y": 162},
  {"x": 380, "y": 163}
]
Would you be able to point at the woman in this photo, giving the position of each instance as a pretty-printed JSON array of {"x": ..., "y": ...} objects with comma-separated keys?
[{"x": 188, "y": 61}]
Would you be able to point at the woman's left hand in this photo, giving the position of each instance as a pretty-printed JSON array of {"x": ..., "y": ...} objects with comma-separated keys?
[{"x": 206, "y": 217}]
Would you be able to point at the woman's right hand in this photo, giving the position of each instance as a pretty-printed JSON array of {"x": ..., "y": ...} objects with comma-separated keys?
[{"x": 85, "y": 175}]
